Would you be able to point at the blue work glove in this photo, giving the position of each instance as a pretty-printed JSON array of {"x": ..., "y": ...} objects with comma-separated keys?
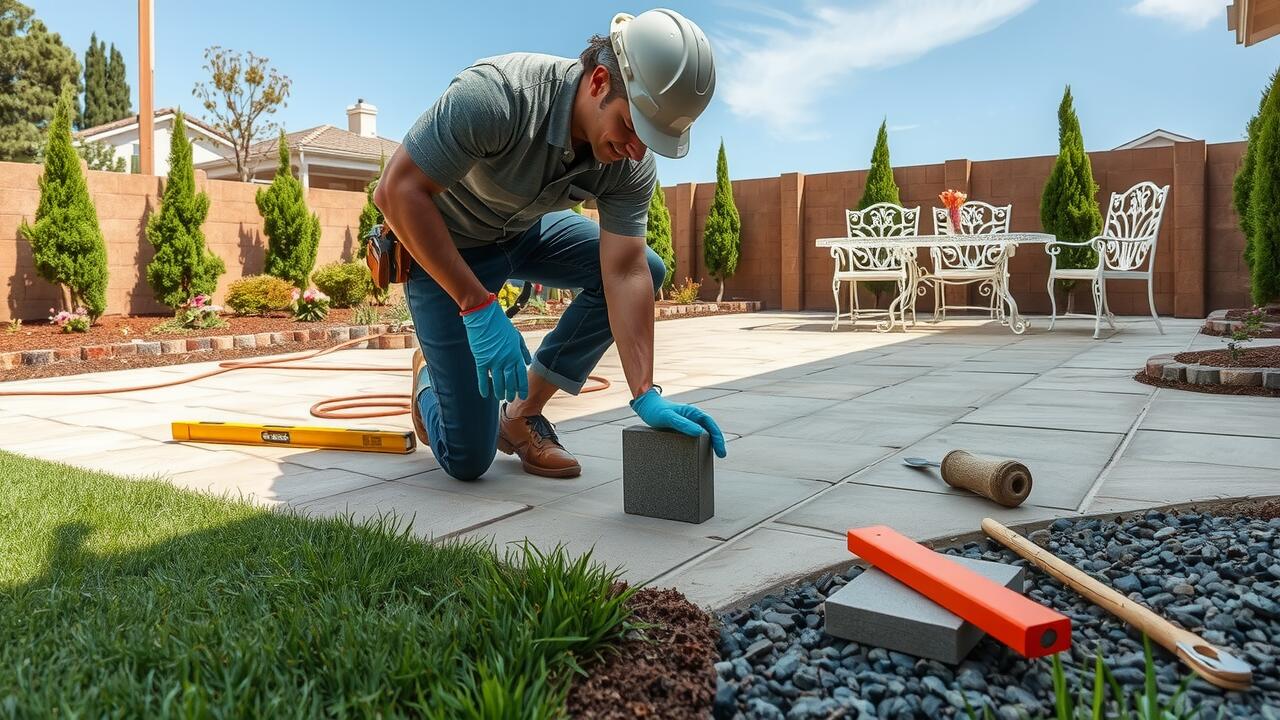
[
  {"x": 659, "y": 412},
  {"x": 500, "y": 352}
]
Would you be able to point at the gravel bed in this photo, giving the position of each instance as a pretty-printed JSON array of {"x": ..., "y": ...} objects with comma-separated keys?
[{"x": 1218, "y": 576}]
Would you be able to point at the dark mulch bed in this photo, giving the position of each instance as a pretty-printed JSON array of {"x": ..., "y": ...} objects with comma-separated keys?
[
  {"x": 1259, "y": 357},
  {"x": 1272, "y": 318},
  {"x": 1273, "y": 314},
  {"x": 108, "y": 331},
  {"x": 1262, "y": 509},
  {"x": 33, "y": 372},
  {"x": 111, "y": 329},
  {"x": 1256, "y": 391},
  {"x": 666, "y": 670}
]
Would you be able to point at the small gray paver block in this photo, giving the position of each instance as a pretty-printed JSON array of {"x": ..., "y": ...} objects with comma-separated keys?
[
  {"x": 1175, "y": 372},
  {"x": 1271, "y": 379},
  {"x": 340, "y": 333},
  {"x": 667, "y": 474},
  {"x": 149, "y": 348},
  {"x": 1241, "y": 376},
  {"x": 1202, "y": 375},
  {"x": 876, "y": 610},
  {"x": 245, "y": 341},
  {"x": 358, "y": 331},
  {"x": 37, "y": 357}
]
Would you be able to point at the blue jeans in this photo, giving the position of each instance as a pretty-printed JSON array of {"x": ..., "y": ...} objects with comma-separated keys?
[{"x": 562, "y": 250}]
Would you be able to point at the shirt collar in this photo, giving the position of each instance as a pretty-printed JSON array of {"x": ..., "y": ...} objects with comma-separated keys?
[{"x": 560, "y": 129}]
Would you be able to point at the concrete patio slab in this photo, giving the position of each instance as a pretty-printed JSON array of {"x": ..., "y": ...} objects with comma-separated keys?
[
  {"x": 1185, "y": 447},
  {"x": 644, "y": 553},
  {"x": 948, "y": 387},
  {"x": 1090, "y": 380},
  {"x": 507, "y": 480},
  {"x": 827, "y": 460},
  {"x": 1054, "y": 409},
  {"x": 818, "y": 423},
  {"x": 743, "y": 500},
  {"x": 865, "y": 422},
  {"x": 268, "y": 482},
  {"x": 764, "y": 557},
  {"x": 1064, "y": 465},
  {"x": 432, "y": 513},
  {"x": 912, "y": 513},
  {"x": 1216, "y": 414},
  {"x": 1156, "y": 481}
]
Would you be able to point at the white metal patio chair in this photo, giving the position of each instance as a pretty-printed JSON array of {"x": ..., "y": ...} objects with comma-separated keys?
[
  {"x": 1126, "y": 251},
  {"x": 967, "y": 264},
  {"x": 866, "y": 264}
]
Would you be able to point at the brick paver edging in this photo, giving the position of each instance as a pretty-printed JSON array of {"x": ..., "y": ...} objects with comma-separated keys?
[
  {"x": 191, "y": 346},
  {"x": 1164, "y": 367},
  {"x": 1218, "y": 324}
]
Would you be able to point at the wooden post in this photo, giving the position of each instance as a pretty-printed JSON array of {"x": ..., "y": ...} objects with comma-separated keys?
[{"x": 146, "y": 76}]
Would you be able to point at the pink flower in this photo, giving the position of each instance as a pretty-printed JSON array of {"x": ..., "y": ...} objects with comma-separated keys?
[{"x": 296, "y": 294}]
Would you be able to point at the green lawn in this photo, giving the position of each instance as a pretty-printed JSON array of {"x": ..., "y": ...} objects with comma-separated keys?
[{"x": 132, "y": 598}]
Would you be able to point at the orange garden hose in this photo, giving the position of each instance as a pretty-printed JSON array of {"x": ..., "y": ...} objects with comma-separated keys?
[{"x": 339, "y": 408}]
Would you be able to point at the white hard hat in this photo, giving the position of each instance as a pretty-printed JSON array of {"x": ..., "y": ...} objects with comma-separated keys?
[{"x": 669, "y": 75}]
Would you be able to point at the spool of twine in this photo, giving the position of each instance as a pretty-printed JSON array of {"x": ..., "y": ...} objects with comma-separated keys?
[{"x": 1007, "y": 482}]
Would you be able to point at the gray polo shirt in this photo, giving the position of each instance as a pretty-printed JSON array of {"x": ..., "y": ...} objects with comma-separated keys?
[{"x": 498, "y": 141}]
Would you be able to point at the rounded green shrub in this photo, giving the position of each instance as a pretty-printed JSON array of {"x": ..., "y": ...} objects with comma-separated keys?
[
  {"x": 257, "y": 294},
  {"x": 346, "y": 283}
]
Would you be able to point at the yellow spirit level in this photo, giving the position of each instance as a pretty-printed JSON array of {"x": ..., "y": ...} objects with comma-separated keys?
[{"x": 328, "y": 438}]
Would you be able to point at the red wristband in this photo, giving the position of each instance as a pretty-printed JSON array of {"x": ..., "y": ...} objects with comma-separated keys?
[{"x": 481, "y": 306}]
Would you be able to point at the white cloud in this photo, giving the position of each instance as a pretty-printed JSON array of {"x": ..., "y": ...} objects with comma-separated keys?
[
  {"x": 780, "y": 69},
  {"x": 1190, "y": 14},
  {"x": 902, "y": 128}
]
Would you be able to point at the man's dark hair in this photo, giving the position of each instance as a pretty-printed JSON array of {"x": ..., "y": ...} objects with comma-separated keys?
[{"x": 599, "y": 52}]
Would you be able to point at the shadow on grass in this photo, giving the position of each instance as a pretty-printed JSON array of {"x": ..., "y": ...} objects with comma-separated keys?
[{"x": 133, "y": 597}]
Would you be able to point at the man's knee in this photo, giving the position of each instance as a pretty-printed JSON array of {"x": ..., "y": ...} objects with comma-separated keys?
[
  {"x": 657, "y": 268},
  {"x": 469, "y": 464}
]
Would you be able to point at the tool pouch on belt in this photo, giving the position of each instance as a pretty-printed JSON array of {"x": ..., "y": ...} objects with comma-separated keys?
[{"x": 388, "y": 259}]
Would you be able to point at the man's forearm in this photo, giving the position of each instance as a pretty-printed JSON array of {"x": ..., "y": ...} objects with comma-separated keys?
[{"x": 628, "y": 293}]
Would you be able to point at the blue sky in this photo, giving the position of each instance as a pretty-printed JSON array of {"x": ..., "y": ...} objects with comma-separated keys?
[{"x": 799, "y": 89}]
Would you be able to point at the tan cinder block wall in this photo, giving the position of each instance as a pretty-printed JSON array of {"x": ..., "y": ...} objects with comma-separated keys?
[
  {"x": 1199, "y": 266},
  {"x": 1226, "y": 276},
  {"x": 233, "y": 231}
]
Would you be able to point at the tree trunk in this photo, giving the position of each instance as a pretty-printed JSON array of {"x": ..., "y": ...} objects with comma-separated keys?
[{"x": 720, "y": 292}]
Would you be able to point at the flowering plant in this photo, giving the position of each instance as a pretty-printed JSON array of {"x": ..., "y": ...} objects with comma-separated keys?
[
  {"x": 1249, "y": 329},
  {"x": 77, "y": 321},
  {"x": 310, "y": 306},
  {"x": 952, "y": 200},
  {"x": 198, "y": 312}
]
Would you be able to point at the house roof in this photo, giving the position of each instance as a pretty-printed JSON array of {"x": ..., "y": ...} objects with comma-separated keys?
[
  {"x": 132, "y": 121},
  {"x": 1157, "y": 134},
  {"x": 327, "y": 138}
]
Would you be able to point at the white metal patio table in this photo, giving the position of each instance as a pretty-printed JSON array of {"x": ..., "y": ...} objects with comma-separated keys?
[{"x": 1002, "y": 248}]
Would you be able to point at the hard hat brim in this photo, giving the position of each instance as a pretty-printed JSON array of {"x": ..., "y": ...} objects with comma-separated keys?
[{"x": 665, "y": 144}]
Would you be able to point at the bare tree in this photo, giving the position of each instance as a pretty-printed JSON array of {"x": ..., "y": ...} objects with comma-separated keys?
[{"x": 242, "y": 89}]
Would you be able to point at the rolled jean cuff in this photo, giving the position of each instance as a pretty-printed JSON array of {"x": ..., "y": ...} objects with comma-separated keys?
[{"x": 569, "y": 385}]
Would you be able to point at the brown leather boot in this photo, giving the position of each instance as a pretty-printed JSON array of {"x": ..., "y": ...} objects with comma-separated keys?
[
  {"x": 419, "y": 365},
  {"x": 534, "y": 440}
]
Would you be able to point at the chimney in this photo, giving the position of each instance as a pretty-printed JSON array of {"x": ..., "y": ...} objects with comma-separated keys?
[{"x": 362, "y": 119}]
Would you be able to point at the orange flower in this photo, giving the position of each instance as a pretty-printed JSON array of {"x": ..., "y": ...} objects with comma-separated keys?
[{"x": 952, "y": 199}]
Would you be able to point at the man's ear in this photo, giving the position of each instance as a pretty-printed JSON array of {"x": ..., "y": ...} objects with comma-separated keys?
[{"x": 599, "y": 81}]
